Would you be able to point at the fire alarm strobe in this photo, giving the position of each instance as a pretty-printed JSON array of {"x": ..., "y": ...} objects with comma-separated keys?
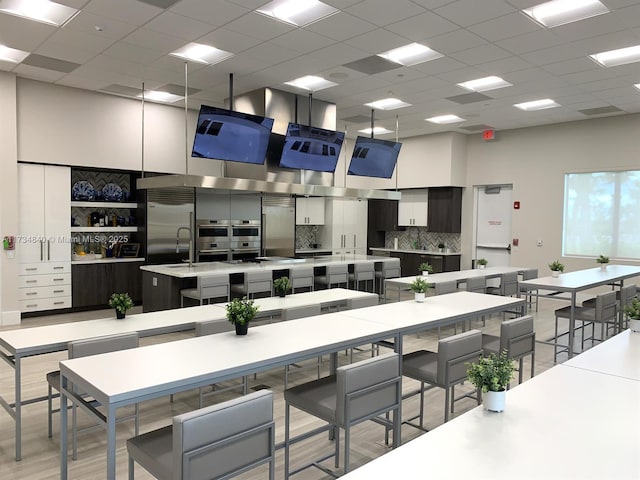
[{"x": 488, "y": 135}]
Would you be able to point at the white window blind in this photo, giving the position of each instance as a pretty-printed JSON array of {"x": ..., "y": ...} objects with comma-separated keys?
[{"x": 602, "y": 214}]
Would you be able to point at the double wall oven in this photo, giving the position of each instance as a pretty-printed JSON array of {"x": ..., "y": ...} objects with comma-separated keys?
[
  {"x": 245, "y": 239},
  {"x": 213, "y": 240}
]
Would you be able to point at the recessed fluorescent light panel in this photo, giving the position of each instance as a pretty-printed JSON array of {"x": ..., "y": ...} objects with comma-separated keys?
[
  {"x": 560, "y": 12},
  {"x": 200, "y": 53},
  {"x": 8, "y": 54},
  {"x": 388, "y": 104},
  {"x": 637, "y": 85},
  {"x": 484, "y": 84},
  {"x": 613, "y": 58},
  {"x": 376, "y": 131},
  {"x": 311, "y": 82},
  {"x": 42, "y": 11},
  {"x": 537, "y": 105},
  {"x": 444, "y": 119},
  {"x": 297, "y": 12},
  {"x": 158, "y": 96},
  {"x": 411, "y": 54}
]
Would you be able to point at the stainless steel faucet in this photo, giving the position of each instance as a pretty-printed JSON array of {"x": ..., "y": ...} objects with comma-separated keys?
[{"x": 188, "y": 229}]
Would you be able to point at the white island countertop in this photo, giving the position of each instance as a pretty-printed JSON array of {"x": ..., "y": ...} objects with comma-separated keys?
[
  {"x": 413, "y": 250},
  {"x": 182, "y": 270}
]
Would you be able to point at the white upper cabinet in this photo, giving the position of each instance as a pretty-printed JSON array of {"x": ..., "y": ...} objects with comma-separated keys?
[
  {"x": 412, "y": 208},
  {"x": 310, "y": 211}
]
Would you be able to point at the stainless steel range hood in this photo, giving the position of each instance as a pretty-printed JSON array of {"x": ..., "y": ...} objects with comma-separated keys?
[{"x": 250, "y": 185}]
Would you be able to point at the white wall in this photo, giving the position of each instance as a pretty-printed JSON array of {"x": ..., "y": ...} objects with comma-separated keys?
[
  {"x": 9, "y": 313},
  {"x": 535, "y": 161}
]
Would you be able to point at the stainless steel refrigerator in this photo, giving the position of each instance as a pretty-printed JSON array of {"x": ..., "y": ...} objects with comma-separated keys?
[{"x": 278, "y": 226}]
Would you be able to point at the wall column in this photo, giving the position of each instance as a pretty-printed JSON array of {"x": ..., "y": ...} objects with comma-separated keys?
[{"x": 9, "y": 311}]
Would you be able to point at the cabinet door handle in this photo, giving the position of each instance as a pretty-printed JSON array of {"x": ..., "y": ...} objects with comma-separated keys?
[
  {"x": 33, "y": 269},
  {"x": 41, "y": 251},
  {"x": 58, "y": 279},
  {"x": 58, "y": 268},
  {"x": 58, "y": 303},
  {"x": 354, "y": 240},
  {"x": 31, "y": 281},
  {"x": 33, "y": 305},
  {"x": 32, "y": 293},
  {"x": 58, "y": 291},
  {"x": 48, "y": 250}
]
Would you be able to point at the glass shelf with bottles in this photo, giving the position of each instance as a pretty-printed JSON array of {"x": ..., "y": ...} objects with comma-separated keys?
[{"x": 103, "y": 217}]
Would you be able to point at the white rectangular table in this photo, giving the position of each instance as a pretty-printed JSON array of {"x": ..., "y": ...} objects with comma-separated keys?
[
  {"x": 619, "y": 356},
  {"x": 459, "y": 277},
  {"x": 26, "y": 342},
  {"x": 574, "y": 282},
  {"x": 566, "y": 423},
  {"x": 160, "y": 370}
]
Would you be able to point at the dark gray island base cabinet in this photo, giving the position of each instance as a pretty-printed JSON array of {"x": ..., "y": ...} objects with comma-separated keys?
[
  {"x": 162, "y": 292},
  {"x": 409, "y": 262}
]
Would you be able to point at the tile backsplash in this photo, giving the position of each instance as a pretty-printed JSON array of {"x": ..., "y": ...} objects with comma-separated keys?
[
  {"x": 419, "y": 237},
  {"x": 306, "y": 235}
]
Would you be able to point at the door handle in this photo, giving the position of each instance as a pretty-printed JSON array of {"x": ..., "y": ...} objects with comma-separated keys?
[
  {"x": 48, "y": 250},
  {"x": 41, "y": 251}
]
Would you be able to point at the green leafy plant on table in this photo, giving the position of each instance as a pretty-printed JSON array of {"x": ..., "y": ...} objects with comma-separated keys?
[{"x": 121, "y": 302}]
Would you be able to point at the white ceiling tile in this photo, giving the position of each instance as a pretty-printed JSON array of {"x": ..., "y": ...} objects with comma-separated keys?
[
  {"x": 23, "y": 34},
  {"x": 456, "y": 41},
  {"x": 431, "y": 4},
  {"x": 271, "y": 53},
  {"x": 341, "y": 26},
  {"x": 76, "y": 53},
  {"x": 470, "y": 12},
  {"x": 229, "y": 40},
  {"x": 89, "y": 41},
  {"x": 552, "y": 55},
  {"x": 339, "y": 54},
  {"x": 434, "y": 67},
  {"x": 259, "y": 26},
  {"x": 570, "y": 66},
  {"x": 178, "y": 26},
  {"x": 590, "y": 27},
  {"x": 218, "y": 13},
  {"x": 377, "y": 41},
  {"x": 381, "y": 12},
  {"x": 132, "y": 53},
  {"x": 159, "y": 42},
  {"x": 603, "y": 43},
  {"x": 87, "y": 22},
  {"x": 529, "y": 42},
  {"x": 420, "y": 28},
  {"x": 303, "y": 41},
  {"x": 136, "y": 13},
  {"x": 481, "y": 54},
  {"x": 503, "y": 66},
  {"x": 38, "y": 73},
  {"x": 504, "y": 27},
  {"x": 77, "y": 81}
]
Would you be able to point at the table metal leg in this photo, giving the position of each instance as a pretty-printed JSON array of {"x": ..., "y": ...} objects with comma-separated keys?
[
  {"x": 397, "y": 419},
  {"x": 63, "y": 428},
  {"x": 111, "y": 443},
  {"x": 18, "y": 409},
  {"x": 572, "y": 324}
]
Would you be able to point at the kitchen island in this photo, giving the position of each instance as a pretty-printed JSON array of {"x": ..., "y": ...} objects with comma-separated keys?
[{"x": 161, "y": 284}]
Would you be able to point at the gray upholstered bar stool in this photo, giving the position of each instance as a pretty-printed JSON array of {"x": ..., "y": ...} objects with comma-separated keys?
[
  {"x": 444, "y": 368},
  {"x": 529, "y": 274},
  {"x": 358, "y": 392},
  {"x": 362, "y": 272},
  {"x": 207, "y": 288},
  {"x": 220, "y": 441},
  {"x": 85, "y": 348},
  {"x": 508, "y": 285},
  {"x": 477, "y": 285},
  {"x": 255, "y": 281},
  {"x": 443, "y": 288},
  {"x": 389, "y": 269},
  {"x": 335, "y": 275},
  {"x": 301, "y": 277},
  {"x": 517, "y": 338}
]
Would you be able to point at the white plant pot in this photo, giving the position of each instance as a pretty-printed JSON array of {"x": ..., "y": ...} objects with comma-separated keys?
[
  {"x": 634, "y": 324},
  {"x": 555, "y": 273},
  {"x": 481, "y": 267},
  {"x": 603, "y": 266},
  {"x": 425, "y": 273},
  {"x": 494, "y": 401},
  {"x": 419, "y": 297}
]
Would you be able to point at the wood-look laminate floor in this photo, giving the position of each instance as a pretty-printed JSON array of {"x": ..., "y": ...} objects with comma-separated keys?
[{"x": 41, "y": 454}]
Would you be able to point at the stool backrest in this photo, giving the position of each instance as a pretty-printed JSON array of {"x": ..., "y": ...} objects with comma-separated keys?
[
  {"x": 361, "y": 302},
  {"x": 301, "y": 312},
  {"x": 453, "y": 354},
  {"x": 517, "y": 337},
  {"x": 476, "y": 284},
  {"x": 606, "y": 307},
  {"x": 301, "y": 277},
  {"x": 337, "y": 273},
  {"x": 368, "y": 388},
  {"x": 211, "y": 327},
  {"x": 104, "y": 344},
  {"x": 224, "y": 438},
  {"x": 509, "y": 284},
  {"x": 442, "y": 288},
  {"x": 391, "y": 268},
  {"x": 213, "y": 286},
  {"x": 258, "y": 281}
]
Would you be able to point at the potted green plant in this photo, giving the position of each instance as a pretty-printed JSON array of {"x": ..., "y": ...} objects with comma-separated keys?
[
  {"x": 603, "y": 260},
  {"x": 419, "y": 287},
  {"x": 482, "y": 263},
  {"x": 492, "y": 375},
  {"x": 556, "y": 268},
  {"x": 240, "y": 311},
  {"x": 633, "y": 312},
  {"x": 425, "y": 268},
  {"x": 282, "y": 285},
  {"x": 121, "y": 302},
  {"x": 441, "y": 247}
]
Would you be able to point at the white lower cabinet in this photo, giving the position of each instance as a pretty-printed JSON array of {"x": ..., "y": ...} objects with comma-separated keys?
[{"x": 44, "y": 286}]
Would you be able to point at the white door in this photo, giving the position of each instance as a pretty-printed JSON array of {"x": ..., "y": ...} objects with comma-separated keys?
[
  {"x": 493, "y": 224},
  {"x": 31, "y": 200},
  {"x": 57, "y": 213}
]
